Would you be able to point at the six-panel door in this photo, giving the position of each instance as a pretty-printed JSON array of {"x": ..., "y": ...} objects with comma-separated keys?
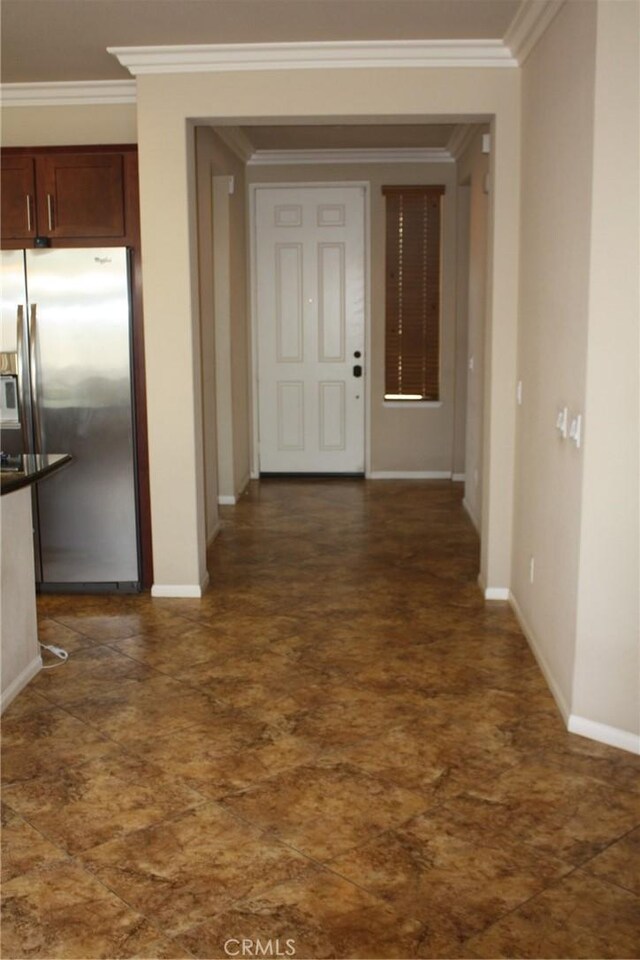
[{"x": 310, "y": 309}]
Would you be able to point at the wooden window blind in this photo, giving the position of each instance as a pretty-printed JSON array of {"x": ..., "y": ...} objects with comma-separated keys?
[{"x": 412, "y": 349}]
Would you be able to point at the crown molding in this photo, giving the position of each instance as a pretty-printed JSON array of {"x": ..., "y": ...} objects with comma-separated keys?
[
  {"x": 237, "y": 141},
  {"x": 73, "y": 93},
  {"x": 460, "y": 139},
  {"x": 381, "y": 155},
  {"x": 528, "y": 25},
  {"x": 207, "y": 58}
]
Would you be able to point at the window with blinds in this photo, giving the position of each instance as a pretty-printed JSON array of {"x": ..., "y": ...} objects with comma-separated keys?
[{"x": 412, "y": 349}]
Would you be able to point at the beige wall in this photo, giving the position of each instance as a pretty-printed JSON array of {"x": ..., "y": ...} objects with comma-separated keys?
[
  {"x": 223, "y": 320},
  {"x": 557, "y": 148},
  {"x": 171, "y": 299},
  {"x": 416, "y": 437},
  {"x": 462, "y": 332},
  {"x": 607, "y": 669},
  {"x": 207, "y": 327},
  {"x": 60, "y": 126},
  {"x": 473, "y": 169},
  {"x": 20, "y": 649}
]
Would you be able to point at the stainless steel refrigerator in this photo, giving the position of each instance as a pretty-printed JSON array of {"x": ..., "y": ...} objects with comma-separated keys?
[{"x": 67, "y": 315}]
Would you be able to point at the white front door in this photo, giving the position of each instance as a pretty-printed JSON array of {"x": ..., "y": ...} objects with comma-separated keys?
[{"x": 310, "y": 310}]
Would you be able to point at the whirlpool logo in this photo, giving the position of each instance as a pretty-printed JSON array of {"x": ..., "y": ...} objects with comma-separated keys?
[{"x": 247, "y": 947}]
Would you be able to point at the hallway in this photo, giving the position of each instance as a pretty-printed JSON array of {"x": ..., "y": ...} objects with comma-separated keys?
[{"x": 342, "y": 745}]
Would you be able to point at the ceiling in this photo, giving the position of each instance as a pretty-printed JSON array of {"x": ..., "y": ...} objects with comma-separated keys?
[{"x": 64, "y": 40}]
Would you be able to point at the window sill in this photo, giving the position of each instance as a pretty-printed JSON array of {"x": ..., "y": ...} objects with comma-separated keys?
[{"x": 412, "y": 404}]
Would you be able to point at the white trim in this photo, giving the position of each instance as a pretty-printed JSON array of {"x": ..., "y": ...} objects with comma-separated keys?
[
  {"x": 20, "y": 682},
  {"x": 603, "y": 733},
  {"x": 409, "y": 475},
  {"x": 187, "y": 590},
  {"x": 412, "y": 404},
  {"x": 496, "y": 593},
  {"x": 528, "y": 25},
  {"x": 458, "y": 477},
  {"x": 352, "y": 155},
  {"x": 536, "y": 649},
  {"x": 67, "y": 94},
  {"x": 237, "y": 141},
  {"x": 213, "y": 57},
  {"x": 365, "y": 186},
  {"x": 227, "y": 500}
]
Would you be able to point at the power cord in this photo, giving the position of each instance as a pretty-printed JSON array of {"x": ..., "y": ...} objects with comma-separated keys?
[{"x": 58, "y": 652}]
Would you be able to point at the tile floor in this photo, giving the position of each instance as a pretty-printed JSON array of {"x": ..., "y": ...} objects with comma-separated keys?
[{"x": 341, "y": 744}]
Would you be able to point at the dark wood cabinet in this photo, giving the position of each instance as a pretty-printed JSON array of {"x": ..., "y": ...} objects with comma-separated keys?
[
  {"x": 17, "y": 197},
  {"x": 81, "y": 195},
  {"x": 78, "y": 196}
]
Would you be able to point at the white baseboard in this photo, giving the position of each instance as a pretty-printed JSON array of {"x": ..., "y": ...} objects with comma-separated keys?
[
  {"x": 187, "y": 590},
  {"x": 471, "y": 516},
  {"x": 20, "y": 682},
  {"x": 536, "y": 649},
  {"x": 230, "y": 500},
  {"x": 409, "y": 475},
  {"x": 603, "y": 733},
  {"x": 493, "y": 593},
  {"x": 496, "y": 593},
  {"x": 458, "y": 477}
]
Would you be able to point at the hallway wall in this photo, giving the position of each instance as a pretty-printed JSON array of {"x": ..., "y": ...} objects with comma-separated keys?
[
  {"x": 576, "y": 509},
  {"x": 607, "y": 669},
  {"x": 227, "y": 419},
  {"x": 473, "y": 168},
  {"x": 557, "y": 149}
]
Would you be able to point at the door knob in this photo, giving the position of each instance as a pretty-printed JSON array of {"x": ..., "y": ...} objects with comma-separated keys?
[{"x": 357, "y": 370}]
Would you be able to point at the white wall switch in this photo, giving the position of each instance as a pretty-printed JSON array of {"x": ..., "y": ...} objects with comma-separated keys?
[
  {"x": 471, "y": 363},
  {"x": 575, "y": 430},
  {"x": 519, "y": 393},
  {"x": 486, "y": 142},
  {"x": 562, "y": 422}
]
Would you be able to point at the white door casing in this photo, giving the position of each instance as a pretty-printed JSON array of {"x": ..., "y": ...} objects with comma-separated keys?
[{"x": 310, "y": 319}]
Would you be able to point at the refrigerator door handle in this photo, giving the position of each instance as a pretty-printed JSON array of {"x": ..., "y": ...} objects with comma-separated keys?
[
  {"x": 33, "y": 369},
  {"x": 23, "y": 360}
]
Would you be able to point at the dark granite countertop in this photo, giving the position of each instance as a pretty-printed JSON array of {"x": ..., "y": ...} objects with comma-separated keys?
[{"x": 27, "y": 468}]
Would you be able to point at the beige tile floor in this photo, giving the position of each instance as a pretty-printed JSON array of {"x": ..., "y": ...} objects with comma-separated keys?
[{"x": 341, "y": 744}]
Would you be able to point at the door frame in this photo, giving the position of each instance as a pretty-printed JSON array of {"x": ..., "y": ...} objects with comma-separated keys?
[{"x": 365, "y": 185}]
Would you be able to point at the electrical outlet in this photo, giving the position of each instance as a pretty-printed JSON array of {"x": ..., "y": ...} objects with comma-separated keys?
[{"x": 532, "y": 568}]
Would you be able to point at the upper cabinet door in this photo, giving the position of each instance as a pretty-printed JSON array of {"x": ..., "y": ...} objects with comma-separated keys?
[
  {"x": 81, "y": 195},
  {"x": 17, "y": 199}
]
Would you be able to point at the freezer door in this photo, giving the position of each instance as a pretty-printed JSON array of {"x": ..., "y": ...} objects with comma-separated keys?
[{"x": 79, "y": 324}]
